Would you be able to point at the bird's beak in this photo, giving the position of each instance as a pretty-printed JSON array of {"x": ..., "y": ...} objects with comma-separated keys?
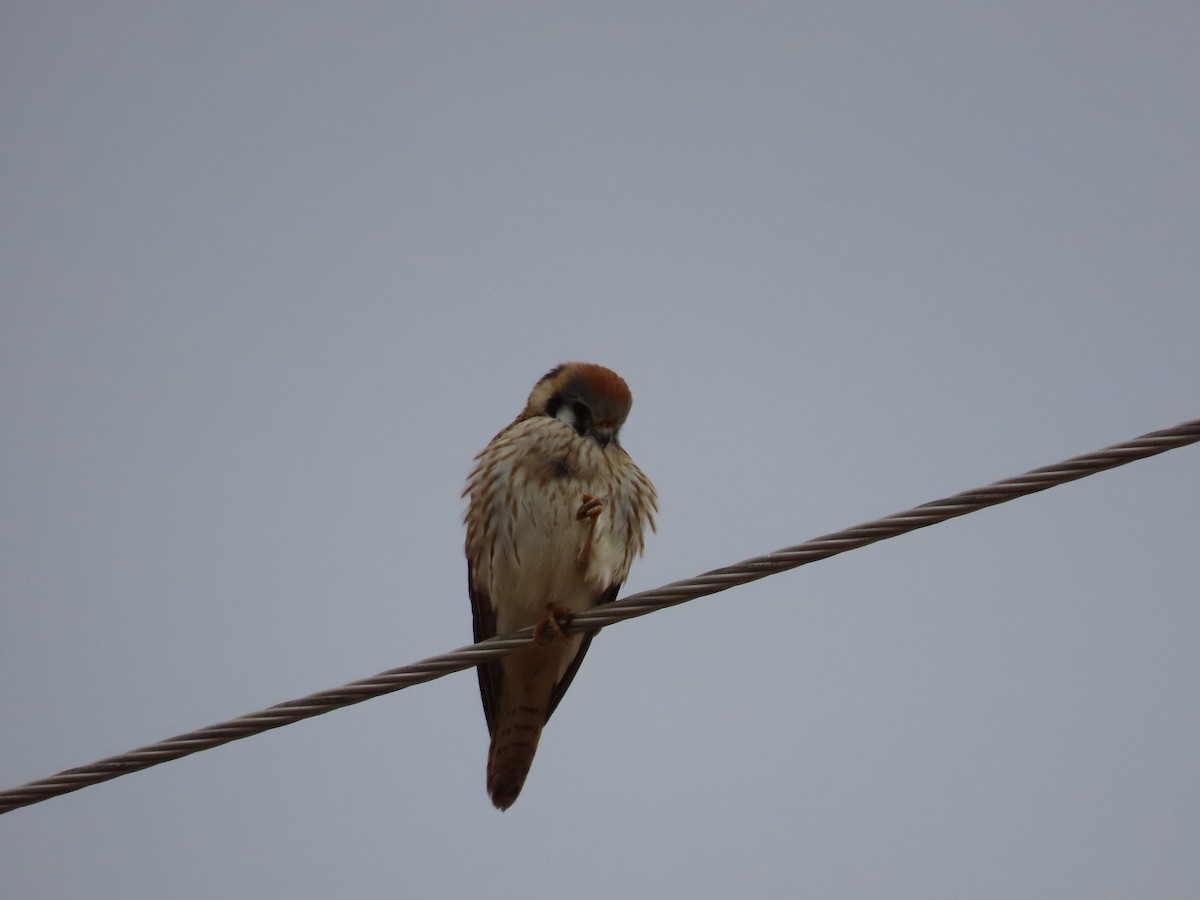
[{"x": 602, "y": 436}]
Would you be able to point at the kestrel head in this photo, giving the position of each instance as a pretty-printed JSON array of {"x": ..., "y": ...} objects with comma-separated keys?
[{"x": 591, "y": 399}]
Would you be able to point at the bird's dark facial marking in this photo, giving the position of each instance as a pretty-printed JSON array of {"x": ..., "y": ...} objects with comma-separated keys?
[
  {"x": 576, "y": 413},
  {"x": 583, "y": 417}
]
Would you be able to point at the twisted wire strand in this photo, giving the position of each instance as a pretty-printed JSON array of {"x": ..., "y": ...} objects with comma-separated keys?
[{"x": 630, "y": 607}]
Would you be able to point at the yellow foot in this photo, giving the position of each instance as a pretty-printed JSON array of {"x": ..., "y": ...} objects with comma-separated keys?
[
  {"x": 556, "y": 618},
  {"x": 589, "y": 508}
]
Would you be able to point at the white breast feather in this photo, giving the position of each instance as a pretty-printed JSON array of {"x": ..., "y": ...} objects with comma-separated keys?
[{"x": 525, "y": 540}]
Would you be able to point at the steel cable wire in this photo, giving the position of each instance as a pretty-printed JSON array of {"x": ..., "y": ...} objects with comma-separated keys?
[{"x": 627, "y": 608}]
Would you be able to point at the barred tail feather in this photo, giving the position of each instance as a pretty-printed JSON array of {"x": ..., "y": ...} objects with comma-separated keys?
[{"x": 514, "y": 744}]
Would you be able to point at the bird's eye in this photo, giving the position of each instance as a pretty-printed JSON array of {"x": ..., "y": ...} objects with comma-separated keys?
[{"x": 583, "y": 415}]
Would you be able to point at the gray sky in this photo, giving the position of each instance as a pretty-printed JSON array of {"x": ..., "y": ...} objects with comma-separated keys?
[{"x": 271, "y": 274}]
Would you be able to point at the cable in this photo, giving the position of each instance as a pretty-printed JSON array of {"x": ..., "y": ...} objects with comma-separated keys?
[{"x": 630, "y": 607}]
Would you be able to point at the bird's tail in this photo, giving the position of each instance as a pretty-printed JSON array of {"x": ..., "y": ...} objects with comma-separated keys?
[{"x": 514, "y": 742}]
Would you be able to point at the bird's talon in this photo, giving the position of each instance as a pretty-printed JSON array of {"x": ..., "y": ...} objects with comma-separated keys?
[
  {"x": 589, "y": 508},
  {"x": 556, "y": 618}
]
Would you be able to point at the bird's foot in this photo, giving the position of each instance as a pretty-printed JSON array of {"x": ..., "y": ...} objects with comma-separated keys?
[
  {"x": 589, "y": 508},
  {"x": 556, "y": 617}
]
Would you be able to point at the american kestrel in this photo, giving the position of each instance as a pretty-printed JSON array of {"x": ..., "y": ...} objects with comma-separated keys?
[{"x": 556, "y": 514}]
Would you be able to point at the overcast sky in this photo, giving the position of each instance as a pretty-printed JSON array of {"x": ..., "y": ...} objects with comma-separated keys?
[{"x": 272, "y": 273}]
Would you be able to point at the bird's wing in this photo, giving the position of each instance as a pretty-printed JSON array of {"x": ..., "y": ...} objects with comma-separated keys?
[
  {"x": 491, "y": 675},
  {"x": 560, "y": 687}
]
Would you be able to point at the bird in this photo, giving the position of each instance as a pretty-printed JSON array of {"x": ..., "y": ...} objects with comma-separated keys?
[{"x": 556, "y": 513}]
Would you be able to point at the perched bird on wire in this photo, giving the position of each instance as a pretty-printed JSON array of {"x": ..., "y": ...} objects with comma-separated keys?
[{"x": 557, "y": 511}]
